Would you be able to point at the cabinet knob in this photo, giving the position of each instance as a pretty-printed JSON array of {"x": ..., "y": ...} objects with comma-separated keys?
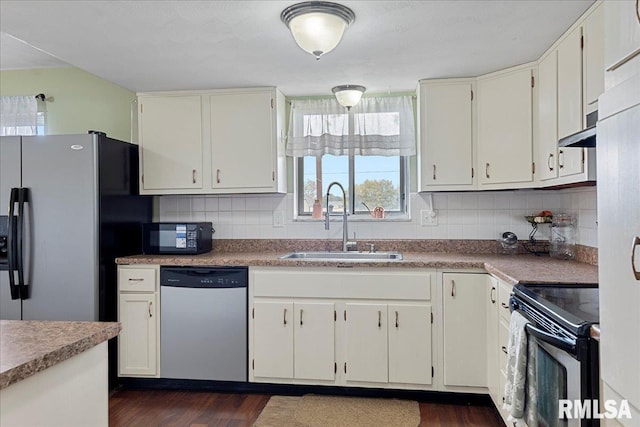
[
  {"x": 434, "y": 172},
  {"x": 486, "y": 170},
  {"x": 193, "y": 176},
  {"x": 284, "y": 318},
  {"x": 504, "y": 305},
  {"x": 379, "y": 319},
  {"x": 549, "y": 162},
  {"x": 453, "y": 288},
  {"x": 218, "y": 176},
  {"x": 493, "y": 298},
  {"x": 150, "y": 306},
  {"x": 397, "y": 319},
  {"x": 301, "y": 311},
  {"x": 561, "y": 159},
  {"x": 504, "y": 349}
]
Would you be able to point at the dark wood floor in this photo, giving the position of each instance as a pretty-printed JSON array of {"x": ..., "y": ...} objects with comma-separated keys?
[{"x": 205, "y": 409}]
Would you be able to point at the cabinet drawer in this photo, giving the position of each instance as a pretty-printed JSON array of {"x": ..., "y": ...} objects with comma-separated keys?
[
  {"x": 137, "y": 279},
  {"x": 503, "y": 343},
  {"x": 504, "y": 292}
]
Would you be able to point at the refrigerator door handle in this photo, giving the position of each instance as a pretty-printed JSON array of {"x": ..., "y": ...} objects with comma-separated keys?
[
  {"x": 23, "y": 197},
  {"x": 11, "y": 237}
]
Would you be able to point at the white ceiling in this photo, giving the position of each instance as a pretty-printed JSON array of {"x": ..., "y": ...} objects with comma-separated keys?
[{"x": 171, "y": 45}]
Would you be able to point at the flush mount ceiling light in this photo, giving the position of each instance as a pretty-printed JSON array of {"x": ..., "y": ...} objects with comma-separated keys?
[
  {"x": 317, "y": 26},
  {"x": 348, "y": 95}
]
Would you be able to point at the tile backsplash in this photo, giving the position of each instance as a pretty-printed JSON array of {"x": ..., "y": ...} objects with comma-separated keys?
[{"x": 468, "y": 215}]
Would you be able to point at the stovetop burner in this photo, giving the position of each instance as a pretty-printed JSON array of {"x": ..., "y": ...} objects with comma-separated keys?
[{"x": 575, "y": 307}]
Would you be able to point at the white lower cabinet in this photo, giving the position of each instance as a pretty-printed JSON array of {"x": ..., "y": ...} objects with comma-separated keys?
[
  {"x": 356, "y": 327},
  {"x": 314, "y": 340},
  {"x": 465, "y": 329},
  {"x": 409, "y": 330},
  {"x": 138, "y": 312},
  {"x": 366, "y": 335},
  {"x": 273, "y": 339}
]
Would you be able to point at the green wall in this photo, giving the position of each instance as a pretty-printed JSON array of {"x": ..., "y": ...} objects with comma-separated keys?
[{"x": 77, "y": 101}]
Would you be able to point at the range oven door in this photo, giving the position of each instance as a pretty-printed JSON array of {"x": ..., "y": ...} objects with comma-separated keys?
[{"x": 562, "y": 373}]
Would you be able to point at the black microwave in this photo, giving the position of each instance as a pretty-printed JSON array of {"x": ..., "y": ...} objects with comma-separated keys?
[{"x": 177, "y": 237}]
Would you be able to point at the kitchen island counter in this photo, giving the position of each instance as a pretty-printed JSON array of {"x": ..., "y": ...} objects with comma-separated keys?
[
  {"x": 54, "y": 373},
  {"x": 510, "y": 268}
]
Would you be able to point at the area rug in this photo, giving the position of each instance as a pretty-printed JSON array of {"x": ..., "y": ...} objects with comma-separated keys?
[{"x": 313, "y": 410}]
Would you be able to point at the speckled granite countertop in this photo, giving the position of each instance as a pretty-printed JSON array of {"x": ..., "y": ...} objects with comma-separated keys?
[
  {"x": 29, "y": 346},
  {"x": 512, "y": 269}
]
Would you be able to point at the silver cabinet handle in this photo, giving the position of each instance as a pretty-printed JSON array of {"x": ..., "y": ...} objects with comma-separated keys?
[
  {"x": 561, "y": 159},
  {"x": 549, "y": 165},
  {"x": 379, "y": 319},
  {"x": 218, "y": 176},
  {"x": 486, "y": 170},
  {"x": 284, "y": 319},
  {"x": 434, "y": 172},
  {"x": 301, "y": 311},
  {"x": 492, "y": 297},
  {"x": 150, "y": 306},
  {"x": 636, "y": 242},
  {"x": 453, "y": 288},
  {"x": 193, "y": 176},
  {"x": 396, "y": 318}
]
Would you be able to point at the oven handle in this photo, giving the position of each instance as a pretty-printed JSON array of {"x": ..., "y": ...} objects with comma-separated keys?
[{"x": 561, "y": 343}]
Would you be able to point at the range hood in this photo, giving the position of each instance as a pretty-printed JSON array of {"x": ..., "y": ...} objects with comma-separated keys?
[{"x": 584, "y": 138}]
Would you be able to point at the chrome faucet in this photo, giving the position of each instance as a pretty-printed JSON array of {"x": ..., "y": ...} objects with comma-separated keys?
[{"x": 346, "y": 244}]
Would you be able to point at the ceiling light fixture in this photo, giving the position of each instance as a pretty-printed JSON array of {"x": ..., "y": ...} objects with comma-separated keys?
[
  {"x": 317, "y": 26},
  {"x": 348, "y": 95}
]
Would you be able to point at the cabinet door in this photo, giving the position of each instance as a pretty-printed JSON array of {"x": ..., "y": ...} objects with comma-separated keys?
[
  {"x": 505, "y": 150},
  {"x": 548, "y": 117},
  {"x": 314, "y": 341},
  {"x": 618, "y": 227},
  {"x": 593, "y": 59},
  {"x": 445, "y": 135},
  {"x": 409, "y": 343},
  {"x": 366, "y": 336},
  {"x": 137, "y": 342},
  {"x": 273, "y": 339},
  {"x": 570, "y": 84},
  {"x": 171, "y": 142},
  {"x": 465, "y": 329},
  {"x": 570, "y": 161},
  {"x": 242, "y": 140}
]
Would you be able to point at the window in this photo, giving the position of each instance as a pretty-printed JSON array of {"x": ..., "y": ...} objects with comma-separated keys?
[
  {"x": 364, "y": 149},
  {"x": 19, "y": 115}
]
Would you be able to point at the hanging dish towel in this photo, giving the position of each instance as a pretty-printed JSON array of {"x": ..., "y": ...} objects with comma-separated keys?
[{"x": 520, "y": 390}]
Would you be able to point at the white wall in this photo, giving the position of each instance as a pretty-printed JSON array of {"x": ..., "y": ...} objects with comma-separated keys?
[{"x": 468, "y": 215}]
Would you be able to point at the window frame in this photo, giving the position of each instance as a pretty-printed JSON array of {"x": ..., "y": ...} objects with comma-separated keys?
[{"x": 299, "y": 189}]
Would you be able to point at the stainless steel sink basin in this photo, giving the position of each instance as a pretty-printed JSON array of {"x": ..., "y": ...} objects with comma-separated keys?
[{"x": 344, "y": 256}]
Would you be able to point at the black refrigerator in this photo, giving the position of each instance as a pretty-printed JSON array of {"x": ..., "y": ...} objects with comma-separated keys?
[{"x": 70, "y": 206}]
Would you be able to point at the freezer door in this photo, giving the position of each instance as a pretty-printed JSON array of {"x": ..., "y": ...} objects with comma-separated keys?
[
  {"x": 62, "y": 230},
  {"x": 9, "y": 178}
]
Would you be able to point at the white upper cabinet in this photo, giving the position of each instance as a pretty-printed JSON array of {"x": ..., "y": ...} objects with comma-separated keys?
[
  {"x": 505, "y": 145},
  {"x": 222, "y": 141},
  {"x": 548, "y": 117},
  {"x": 170, "y": 130},
  {"x": 593, "y": 59},
  {"x": 244, "y": 141},
  {"x": 570, "y": 84},
  {"x": 446, "y": 135}
]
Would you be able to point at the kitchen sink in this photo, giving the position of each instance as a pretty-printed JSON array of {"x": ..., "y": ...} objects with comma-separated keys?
[{"x": 344, "y": 256}]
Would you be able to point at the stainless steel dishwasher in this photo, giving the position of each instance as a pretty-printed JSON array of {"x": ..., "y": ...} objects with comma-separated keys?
[{"x": 203, "y": 323}]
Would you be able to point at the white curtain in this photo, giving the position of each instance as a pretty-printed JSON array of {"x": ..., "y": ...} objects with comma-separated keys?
[
  {"x": 374, "y": 127},
  {"x": 18, "y": 115}
]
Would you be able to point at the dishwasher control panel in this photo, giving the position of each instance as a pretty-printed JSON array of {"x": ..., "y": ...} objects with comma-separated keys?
[{"x": 204, "y": 277}]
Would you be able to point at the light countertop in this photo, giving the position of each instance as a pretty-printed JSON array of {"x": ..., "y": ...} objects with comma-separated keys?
[{"x": 510, "y": 268}]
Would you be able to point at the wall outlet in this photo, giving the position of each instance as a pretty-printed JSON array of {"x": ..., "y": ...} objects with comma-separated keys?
[
  {"x": 428, "y": 218},
  {"x": 278, "y": 219}
]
